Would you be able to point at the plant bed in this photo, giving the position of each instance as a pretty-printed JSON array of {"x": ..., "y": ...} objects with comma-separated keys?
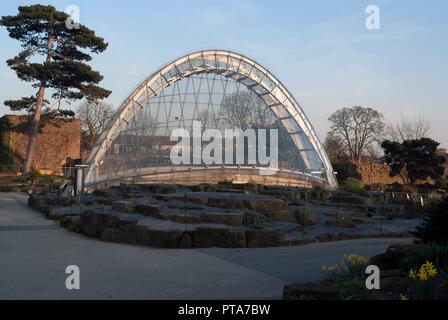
[{"x": 403, "y": 276}]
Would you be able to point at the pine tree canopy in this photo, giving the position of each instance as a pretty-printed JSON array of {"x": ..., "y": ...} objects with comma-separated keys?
[{"x": 42, "y": 31}]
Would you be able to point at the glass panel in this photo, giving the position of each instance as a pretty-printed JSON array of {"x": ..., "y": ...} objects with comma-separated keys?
[{"x": 144, "y": 145}]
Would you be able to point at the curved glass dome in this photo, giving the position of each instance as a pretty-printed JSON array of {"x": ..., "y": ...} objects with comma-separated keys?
[{"x": 218, "y": 95}]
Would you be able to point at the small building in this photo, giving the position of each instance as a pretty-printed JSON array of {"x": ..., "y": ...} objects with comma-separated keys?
[{"x": 59, "y": 140}]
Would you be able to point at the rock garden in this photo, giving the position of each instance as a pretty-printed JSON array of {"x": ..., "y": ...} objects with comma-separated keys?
[{"x": 226, "y": 215}]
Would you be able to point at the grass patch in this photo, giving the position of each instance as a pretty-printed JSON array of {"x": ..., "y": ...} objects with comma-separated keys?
[{"x": 354, "y": 186}]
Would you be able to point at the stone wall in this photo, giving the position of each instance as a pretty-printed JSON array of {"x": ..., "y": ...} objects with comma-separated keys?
[
  {"x": 58, "y": 139},
  {"x": 376, "y": 173}
]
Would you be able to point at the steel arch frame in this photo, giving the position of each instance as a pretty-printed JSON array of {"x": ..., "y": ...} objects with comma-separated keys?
[{"x": 231, "y": 65}]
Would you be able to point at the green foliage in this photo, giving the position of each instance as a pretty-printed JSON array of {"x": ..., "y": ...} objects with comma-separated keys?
[
  {"x": 425, "y": 281},
  {"x": 350, "y": 267},
  {"x": 353, "y": 186},
  {"x": 350, "y": 286},
  {"x": 435, "y": 225},
  {"x": 42, "y": 31},
  {"x": 26, "y": 103},
  {"x": 345, "y": 171},
  {"x": 418, "y": 254},
  {"x": 413, "y": 159}
]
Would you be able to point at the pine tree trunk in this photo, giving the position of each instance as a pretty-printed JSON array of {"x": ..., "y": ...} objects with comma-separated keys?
[
  {"x": 91, "y": 141},
  {"x": 34, "y": 131},
  {"x": 36, "y": 118}
]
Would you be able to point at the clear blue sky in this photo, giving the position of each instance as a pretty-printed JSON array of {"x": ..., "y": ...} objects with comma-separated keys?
[{"x": 320, "y": 50}]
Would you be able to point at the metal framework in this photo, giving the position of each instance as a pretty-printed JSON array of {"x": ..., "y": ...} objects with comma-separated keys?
[{"x": 197, "y": 86}]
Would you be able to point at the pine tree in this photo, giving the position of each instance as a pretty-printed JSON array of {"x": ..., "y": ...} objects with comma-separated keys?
[
  {"x": 43, "y": 32},
  {"x": 435, "y": 226},
  {"x": 414, "y": 160}
]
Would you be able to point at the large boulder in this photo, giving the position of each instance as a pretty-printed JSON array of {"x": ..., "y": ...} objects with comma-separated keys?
[
  {"x": 225, "y": 202},
  {"x": 268, "y": 205},
  {"x": 75, "y": 224},
  {"x": 117, "y": 236},
  {"x": 231, "y": 219},
  {"x": 164, "y": 239},
  {"x": 309, "y": 218},
  {"x": 260, "y": 238},
  {"x": 198, "y": 199},
  {"x": 217, "y": 237},
  {"x": 54, "y": 214},
  {"x": 185, "y": 241},
  {"x": 282, "y": 215},
  {"x": 152, "y": 210},
  {"x": 71, "y": 223},
  {"x": 127, "y": 221},
  {"x": 182, "y": 218},
  {"x": 65, "y": 221},
  {"x": 124, "y": 206},
  {"x": 35, "y": 201},
  {"x": 139, "y": 234},
  {"x": 93, "y": 223}
]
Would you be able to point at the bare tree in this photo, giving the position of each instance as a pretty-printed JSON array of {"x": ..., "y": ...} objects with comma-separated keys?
[
  {"x": 246, "y": 110},
  {"x": 409, "y": 129},
  {"x": 94, "y": 117},
  {"x": 359, "y": 128},
  {"x": 335, "y": 148}
]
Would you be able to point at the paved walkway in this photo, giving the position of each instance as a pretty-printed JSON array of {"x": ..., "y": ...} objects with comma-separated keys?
[{"x": 34, "y": 253}]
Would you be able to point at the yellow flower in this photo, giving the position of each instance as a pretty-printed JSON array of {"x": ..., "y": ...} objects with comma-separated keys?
[
  {"x": 404, "y": 297},
  {"x": 328, "y": 268},
  {"x": 432, "y": 272},
  {"x": 422, "y": 274},
  {"x": 430, "y": 269},
  {"x": 426, "y": 271},
  {"x": 355, "y": 259},
  {"x": 412, "y": 274},
  {"x": 363, "y": 260}
]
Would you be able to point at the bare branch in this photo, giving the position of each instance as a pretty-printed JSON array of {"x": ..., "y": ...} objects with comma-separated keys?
[
  {"x": 358, "y": 128},
  {"x": 408, "y": 128},
  {"x": 94, "y": 117}
]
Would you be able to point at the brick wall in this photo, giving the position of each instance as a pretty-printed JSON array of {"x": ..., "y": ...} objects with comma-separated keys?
[
  {"x": 58, "y": 139},
  {"x": 376, "y": 173}
]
